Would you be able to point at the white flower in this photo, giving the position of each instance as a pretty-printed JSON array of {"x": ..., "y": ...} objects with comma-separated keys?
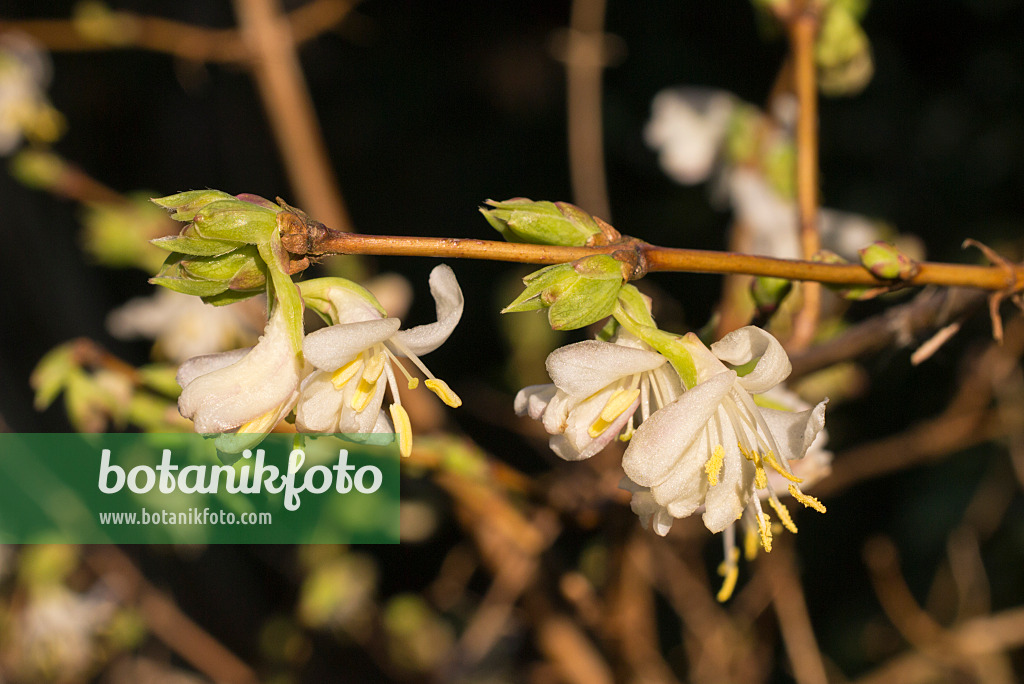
[
  {"x": 355, "y": 360},
  {"x": 714, "y": 446},
  {"x": 598, "y": 387},
  {"x": 182, "y": 325},
  {"x": 24, "y": 110},
  {"x": 245, "y": 391},
  {"x": 772, "y": 220},
  {"x": 687, "y": 127}
]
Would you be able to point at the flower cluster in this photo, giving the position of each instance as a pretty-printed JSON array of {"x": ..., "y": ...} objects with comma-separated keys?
[
  {"x": 706, "y": 442},
  {"x": 334, "y": 380}
]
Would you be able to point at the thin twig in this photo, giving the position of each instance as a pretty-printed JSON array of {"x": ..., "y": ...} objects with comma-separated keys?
[
  {"x": 180, "y": 39},
  {"x": 169, "y": 624},
  {"x": 803, "y": 28},
  {"x": 282, "y": 86},
  {"x": 661, "y": 259},
  {"x": 584, "y": 62}
]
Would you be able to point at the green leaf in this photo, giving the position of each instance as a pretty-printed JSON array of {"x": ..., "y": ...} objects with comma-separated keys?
[
  {"x": 189, "y": 286},
  {"x": 195, "y": 246}
]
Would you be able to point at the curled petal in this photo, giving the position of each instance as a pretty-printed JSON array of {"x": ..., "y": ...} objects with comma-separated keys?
[
  {"x": 533, "y": 400},
  {"x": 585, "y": 367},
  {"x": 795, "y": 431},
  {"x": 662, "y": 439},
  {"x": 743, "y": 345},
  {"x": 447, "y": 294},
  {"x": 332, "y": 347},
  {"x": 201, "y": 365},
  {"x": 264, "y": 379}
]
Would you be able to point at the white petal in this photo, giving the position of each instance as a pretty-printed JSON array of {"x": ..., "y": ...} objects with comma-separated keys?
[
  {"x": 331, "y": 348},
  {"x": 201, "y": 365},
  {"x": 684, "y": 489},
  {"x": 585, "y": 367},
  {"x": 424, "y": 339},
  {"x": 533, "y": 400},
  {"x": 319, "y": 405},
  {"x": 264, "y": 379},
  {"x": 556, "y": 414},
  {"x": 577, "y": 444},
  {"x": 724, "y": 503},
  {"x": 353, "y": 421},
  {"x": 743, "y": 345},
  {"x": 662, "y": 439},
  {"x": 795, "y": 431}
]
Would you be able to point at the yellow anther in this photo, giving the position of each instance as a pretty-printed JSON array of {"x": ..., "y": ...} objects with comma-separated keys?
[
  {"x": 374, "y": 367},
  {"x": 806, "y": 499},
  {"x": 730, "y": 571},
  {"x": 784, "y": 516},
  {"x": 404, "y": 429},
  {"x": 340, "y": 377},
  {"x": 750, "y": 544},
  {"x": 760, "y": 477},
  {"x": 764, "y": 525},
  {"x": 714, "y": 464},
  {"x": 619, "y": 402},
  {"x": 441, "y": 389},
  {"x": 770, "y": 459},
  {"x": 413, "y": 383},
  {"x": 363, "y": 394},
  {"x": 261, "y": 424}
]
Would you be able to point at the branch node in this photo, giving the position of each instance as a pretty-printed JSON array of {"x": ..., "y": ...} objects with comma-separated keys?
[{"x": 1012, "y": 291}]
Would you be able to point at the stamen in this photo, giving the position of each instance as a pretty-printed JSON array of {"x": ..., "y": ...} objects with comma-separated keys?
[
  {"x": 784, "y": 516},
  {"x": 374, "y": 367},
  {"x": 751, "y": 544},
  {"x": 412, "y": 357},
  {"x": 340, "y": 377},
  {"x": 764, "y": 526},
  {"x": 620, "y": 401},
  {"x": 760, "y": 477},
  {"x": 645, "y": 397},
  {"x": 404, "y": 429},
  {"x": 730, "y": 572},
  {"x": 395, "y": 361},
  {"x": 714, "y": 464},
  {"x": 441, "y": 389},
  {"x": 770, "y": 459},
  {"x": 806, "y": 499}
]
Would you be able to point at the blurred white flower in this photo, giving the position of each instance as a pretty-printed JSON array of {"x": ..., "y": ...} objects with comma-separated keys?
[
  {"x": 598, "y": 388},
  {"x": 58, "y": 633},
  {"x": 245, "y": 391},
  {"x": 182, "y": 325},
  {"x": 772, "y": 220},
  {"x": 354, "y": 361},
  {"x": 24, "y": 109},
  {"x": 687, "y": 128},
  {"x": 714, "y": 446}
]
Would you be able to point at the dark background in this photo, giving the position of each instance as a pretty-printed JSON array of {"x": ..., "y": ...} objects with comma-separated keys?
[{"x": 430, "y": 108}]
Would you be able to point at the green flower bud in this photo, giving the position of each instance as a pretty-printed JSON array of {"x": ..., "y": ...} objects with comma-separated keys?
[
  {"x": 186, "y": 205},
  {"x": 842, "y": 53},
  {"x": 575, "y": 294},
  {"x": 191, "y": 243},
  {"x": 242, "y": 269},
  {"x": 768, "y": 293},
  {"x": 886, "y": 261},
  {"x": 37, "y": 169},
  {"x": 543, "y": 223},
  {"x": 237, "y": 220},
  {"x": 852, "y": 293}
]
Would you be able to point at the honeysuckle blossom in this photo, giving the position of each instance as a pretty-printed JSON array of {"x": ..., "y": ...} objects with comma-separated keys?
[
  {"x": 687, "y": 127},
  {"x": 244, "y": 391},
  {"x": 597, "y": 389},
  {"x": 815, "y": 465},
  {"x": 356, "y": 357},
  {"x": 714, "y": 446},
  {"x": 24, "y": 109},
  {"x": 183, "y": 326}
]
